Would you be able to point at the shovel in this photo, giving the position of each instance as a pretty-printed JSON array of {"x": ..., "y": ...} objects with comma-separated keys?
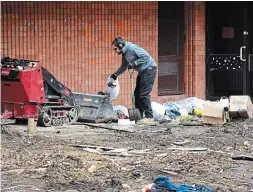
[{"x": 134, "y": 114}]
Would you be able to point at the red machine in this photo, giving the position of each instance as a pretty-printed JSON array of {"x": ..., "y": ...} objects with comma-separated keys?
[{"x": 29, "y": 90}]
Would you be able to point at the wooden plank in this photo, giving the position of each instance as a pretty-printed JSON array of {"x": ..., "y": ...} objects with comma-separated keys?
[
  {"x": 109, "y": 128},
  {"x": 187, "y": 149},
  {"x": 243, "y": 157},
  {"x": 191, "y": 123},
  {"x": 95, "y": 147},
  {"x": 169, "y": 172}
]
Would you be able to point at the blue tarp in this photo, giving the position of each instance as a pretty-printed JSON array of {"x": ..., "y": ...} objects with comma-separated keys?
[{"x": 163, "y": 183}]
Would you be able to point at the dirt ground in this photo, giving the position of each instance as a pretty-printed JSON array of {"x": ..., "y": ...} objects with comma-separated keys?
[{"x": 49, "y": 161}]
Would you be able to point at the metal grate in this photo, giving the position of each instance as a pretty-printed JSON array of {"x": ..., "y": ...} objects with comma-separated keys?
[
  {"x": 170, "y": 47},
  {"x": 224, "y": 62},
  {"x": 225, "y": 75}
]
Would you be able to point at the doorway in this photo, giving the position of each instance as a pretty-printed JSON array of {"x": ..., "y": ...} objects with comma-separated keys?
[{"x": 229, "y": 49}]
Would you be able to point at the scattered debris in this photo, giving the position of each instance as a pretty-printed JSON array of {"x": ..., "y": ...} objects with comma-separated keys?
[
  {"x": 181, "y": 142},
  {"x": 162, "y": 155},
  {"x": 38, "y": 170},
  {"x": 191, "y": 123},
  {"x": 169, "y": 172},
  {"x": 243, "y": 157},
  {"x": 163, "y": 121},
  {"x": 144, "y": 151},
  {"x": 187, "y": 149},
  {"x": 14, "y": 171},
  {"x": 125, "y": 122},
  {"x": 69, "y": 166},
  {"x": 92, "y": 169},
  {"x": 102, "y": 150},
  {"x": 109, "y": 128},
  {"x": 136, "y": 173},
  {"x": 95, "y": 147},
  {"x": 125, "y": 186}
]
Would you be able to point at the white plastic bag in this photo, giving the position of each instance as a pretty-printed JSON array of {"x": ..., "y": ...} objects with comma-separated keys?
[
  {"x": 122, "y": 109},
  {"x": 158, "y": 110},
  {"x": 112, "y": 91}
]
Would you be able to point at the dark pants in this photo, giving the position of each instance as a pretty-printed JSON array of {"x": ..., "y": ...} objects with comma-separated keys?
[{"x": 144, "y": 85}]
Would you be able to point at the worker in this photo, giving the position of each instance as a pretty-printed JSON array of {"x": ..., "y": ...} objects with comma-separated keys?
[{"x": 136, "y": 58}]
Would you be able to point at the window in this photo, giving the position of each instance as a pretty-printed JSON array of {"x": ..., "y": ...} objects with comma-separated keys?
[{"x": 170, "y": 48}]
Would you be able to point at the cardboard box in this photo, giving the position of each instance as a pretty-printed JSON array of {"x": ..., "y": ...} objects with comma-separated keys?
[
  {"x": 240, "y": 106},
  {"x": 213, "y": 113}
]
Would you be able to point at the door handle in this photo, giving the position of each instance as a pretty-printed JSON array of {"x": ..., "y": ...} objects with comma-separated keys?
[{"x": 243, "y": 47}]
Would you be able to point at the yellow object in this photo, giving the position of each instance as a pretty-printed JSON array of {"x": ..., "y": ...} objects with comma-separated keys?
[{"x": 198, "y": 112}]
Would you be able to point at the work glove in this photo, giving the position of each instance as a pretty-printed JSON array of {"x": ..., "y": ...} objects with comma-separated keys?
[
  {"x": 112, "y": 82},
  {"x": 114, "y": 77}
]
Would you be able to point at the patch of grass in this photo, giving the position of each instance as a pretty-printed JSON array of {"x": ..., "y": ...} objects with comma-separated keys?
[
  {"x": 80, "y": 175},
  {"x": 185, "y": 118}
]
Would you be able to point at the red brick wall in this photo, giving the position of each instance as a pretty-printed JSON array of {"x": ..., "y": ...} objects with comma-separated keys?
[
  {"x": 73, "y": 41},
  {"x": 195, "y": 78},
  {"x": 194, "y": 53}
]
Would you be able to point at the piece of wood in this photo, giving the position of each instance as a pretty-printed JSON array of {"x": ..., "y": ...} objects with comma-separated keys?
[
  {"x": 187, "y": 149},
  {"x": 181, "y": 142},
  {"x": 91, "y": 150},
  {"x": 118, "y": 154},
  {"x": 144, "y": 151},
  {"x": 191, "y": 123},
  {"x": 95, "y": 147},
  {"x": 243, "y": 157},
  {"x": 169, "y": 172},
  {"x": 31, "y": 126},
  {"x": 109, "y": 153},
  {"x": 109, "y": 128}
]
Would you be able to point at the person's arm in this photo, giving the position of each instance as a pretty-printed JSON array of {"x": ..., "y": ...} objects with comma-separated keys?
[
  {"x": 121, "y": 69},
  {"x": 142, "y": 57}
]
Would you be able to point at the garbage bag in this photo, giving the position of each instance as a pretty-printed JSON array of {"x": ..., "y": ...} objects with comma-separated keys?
[
  {"x": 121, "y": 108},
  {"x": 172, "y": 110},
  {"x": 158, "y": 110},
  {"x": 113, "y": 92},
  {"x": 195, "y": 102},
  {"x": 184, "y": 107}
]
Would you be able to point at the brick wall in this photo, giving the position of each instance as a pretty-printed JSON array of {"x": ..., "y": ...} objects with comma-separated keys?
[
  {"x": 73, "y": 41},
  {"x": 195, "y": 78}
]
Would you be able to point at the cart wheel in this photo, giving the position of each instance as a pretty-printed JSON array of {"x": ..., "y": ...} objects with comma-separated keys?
[
  {"x": 73, "y": 115},
  {"x": 46, "y": 118},
  {"x": 63, "y": 120},
  {"x": 59, "y": 121},
  {"x": 54, "y": 122}
]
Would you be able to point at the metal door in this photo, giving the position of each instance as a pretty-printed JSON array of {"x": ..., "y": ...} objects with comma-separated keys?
[{"x": 229, "y": 49}]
